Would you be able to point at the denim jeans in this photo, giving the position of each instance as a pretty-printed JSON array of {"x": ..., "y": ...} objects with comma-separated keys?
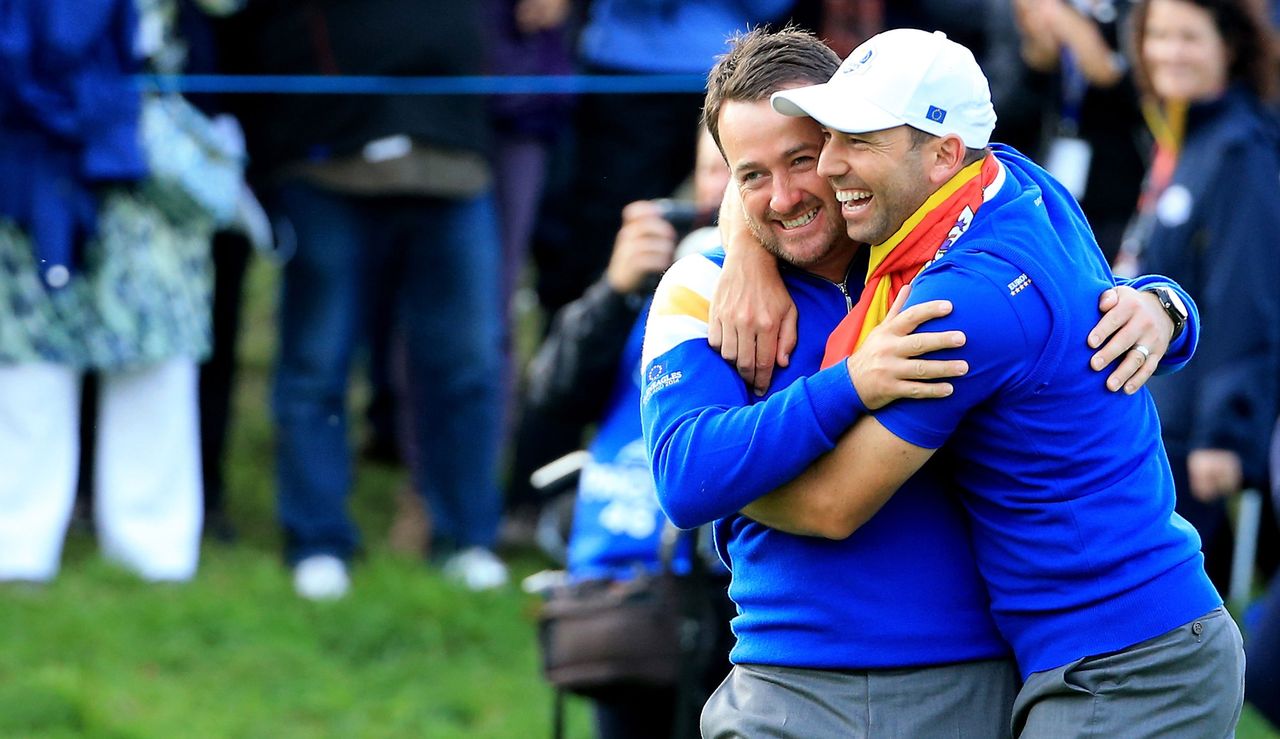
[{"x": 449, "y": 317}]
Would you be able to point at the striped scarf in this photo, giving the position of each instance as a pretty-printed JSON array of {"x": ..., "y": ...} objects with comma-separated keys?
[{"x": 923, "y": 237}]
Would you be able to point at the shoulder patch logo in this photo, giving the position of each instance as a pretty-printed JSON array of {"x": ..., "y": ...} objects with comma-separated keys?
[
  {"x": 1019, "y": 284},
  {"x": 659, "y": 381}
]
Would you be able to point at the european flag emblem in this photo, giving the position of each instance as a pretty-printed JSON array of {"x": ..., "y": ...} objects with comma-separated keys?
[{"x": 936, "y": 114}]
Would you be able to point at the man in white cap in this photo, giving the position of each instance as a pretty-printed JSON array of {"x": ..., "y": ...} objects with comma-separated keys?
[
  {"x": 884, "y": 633},
  {"x": 1095, "y": 582}
]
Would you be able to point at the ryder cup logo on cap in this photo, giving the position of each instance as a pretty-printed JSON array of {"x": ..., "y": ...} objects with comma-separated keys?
[{"x": 901, "y": 77}]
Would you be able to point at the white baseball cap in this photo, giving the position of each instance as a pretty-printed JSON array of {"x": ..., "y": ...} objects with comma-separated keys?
[{"x": 903, "y": 76}]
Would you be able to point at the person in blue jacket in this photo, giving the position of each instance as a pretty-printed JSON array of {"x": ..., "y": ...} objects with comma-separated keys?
[
  {"x": 1210, "y": 214},
  {"x": 1098, "y": 586},
  {"x": 888, "y": 629},
  {"x": 1209, "y": 219}
]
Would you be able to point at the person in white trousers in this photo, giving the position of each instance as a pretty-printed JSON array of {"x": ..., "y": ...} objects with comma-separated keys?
[{"x": 147, "y": 489}]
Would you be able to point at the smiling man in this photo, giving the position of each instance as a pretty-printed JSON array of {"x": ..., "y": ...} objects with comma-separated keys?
[
  {"x": 888, "y": 629},
  {"x": 1096, "y": 583}
]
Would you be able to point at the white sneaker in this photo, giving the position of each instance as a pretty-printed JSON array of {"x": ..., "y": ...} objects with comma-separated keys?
[
  {"x": 321, "y": 577},
  {"x": 477, "y": 568}
]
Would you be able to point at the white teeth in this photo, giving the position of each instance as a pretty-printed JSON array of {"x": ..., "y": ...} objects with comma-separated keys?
[
  {"x": 847, "y": 196},
  {"x": 802, "y": 220}
]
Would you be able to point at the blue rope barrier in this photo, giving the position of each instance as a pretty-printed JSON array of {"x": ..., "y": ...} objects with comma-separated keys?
[{"x": 355, "y": 85}]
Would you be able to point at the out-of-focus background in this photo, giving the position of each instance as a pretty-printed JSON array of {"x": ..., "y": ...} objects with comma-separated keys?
[{"x": 272, "y": 273}]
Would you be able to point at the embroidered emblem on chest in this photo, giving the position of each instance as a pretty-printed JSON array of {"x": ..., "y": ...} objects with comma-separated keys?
[{"x": 1019, "y": 284}]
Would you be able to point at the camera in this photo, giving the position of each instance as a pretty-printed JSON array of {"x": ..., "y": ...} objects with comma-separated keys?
[{"x": 683, "y": 215}]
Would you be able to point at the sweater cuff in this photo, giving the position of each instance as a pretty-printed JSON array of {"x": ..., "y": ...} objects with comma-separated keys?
[{"x": 836, "y": 404}]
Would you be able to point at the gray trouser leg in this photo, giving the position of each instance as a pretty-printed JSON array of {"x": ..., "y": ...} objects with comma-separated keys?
[
  {"x": 971, "y": 699},
  {"x": 1188, "y": 682}
]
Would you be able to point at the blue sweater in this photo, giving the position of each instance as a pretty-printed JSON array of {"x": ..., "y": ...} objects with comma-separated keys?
[
  {"x": 1067, "y": 485},
  {"x": 903, "y": 591}
]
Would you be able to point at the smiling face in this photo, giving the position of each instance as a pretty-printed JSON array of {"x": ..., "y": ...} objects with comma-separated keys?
[
  {"x": 773, "y": 161},
  {"x": 880, "y": 179},
  {"x": 1183, "y": 52}
]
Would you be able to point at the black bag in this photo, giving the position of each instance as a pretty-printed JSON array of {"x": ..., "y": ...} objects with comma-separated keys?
[
  {"x": 656, "y": 630},
  {"x": 603, "y": 635}
]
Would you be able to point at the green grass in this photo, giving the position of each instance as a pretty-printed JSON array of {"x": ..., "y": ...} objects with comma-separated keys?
[
  {"x": 99, "y": 653},
  {"x": 235, "y": 654}
]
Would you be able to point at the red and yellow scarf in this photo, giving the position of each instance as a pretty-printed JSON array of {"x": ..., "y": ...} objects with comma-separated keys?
[{"x": 897, "y": 261}]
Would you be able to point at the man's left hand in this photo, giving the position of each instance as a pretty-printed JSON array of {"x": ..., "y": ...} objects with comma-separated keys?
[{"x": 1131, "y": 321}]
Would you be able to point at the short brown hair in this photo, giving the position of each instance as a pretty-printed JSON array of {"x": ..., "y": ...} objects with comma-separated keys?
[
  {"x": 920, "y": 138},
  {"x": 761, "y": 62}
]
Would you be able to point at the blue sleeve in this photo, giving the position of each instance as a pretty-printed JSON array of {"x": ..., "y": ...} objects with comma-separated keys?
[
  {"x": 712, "y": 449},
  {"x": 1182, "y": 348},
  {"x": 997, "y": 346}
]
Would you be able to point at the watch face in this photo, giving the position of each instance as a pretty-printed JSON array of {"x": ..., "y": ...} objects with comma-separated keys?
[{"x": 1176, "y": 302}]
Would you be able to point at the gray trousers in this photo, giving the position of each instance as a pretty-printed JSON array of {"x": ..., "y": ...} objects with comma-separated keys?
[
  {"x": 971, "y": 699},
  {"x": 1188, "y": 682}
]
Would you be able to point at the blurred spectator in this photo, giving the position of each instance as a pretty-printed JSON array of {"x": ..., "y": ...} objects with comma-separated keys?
[
  {"x": 1093, "y": 122},
  {"x": 522, "y": 37},
  {"x": 1208, "y": 219},
  {"x": 104, "y": 265},
  {"x": 588, "y": 371},
  {"x": 360, "y": 181}
]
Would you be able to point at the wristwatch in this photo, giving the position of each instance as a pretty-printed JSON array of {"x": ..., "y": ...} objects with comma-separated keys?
[{"x": 1172, "y": 305}]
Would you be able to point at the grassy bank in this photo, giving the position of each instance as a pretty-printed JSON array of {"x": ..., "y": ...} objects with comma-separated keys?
[{"x": 235, "y": 654}]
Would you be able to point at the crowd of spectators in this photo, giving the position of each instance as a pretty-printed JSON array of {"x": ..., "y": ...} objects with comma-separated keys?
[{"x": 408, "y": 224}]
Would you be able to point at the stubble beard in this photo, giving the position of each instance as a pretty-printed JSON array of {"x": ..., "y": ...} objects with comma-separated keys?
[{"x": 774, "y": 245}]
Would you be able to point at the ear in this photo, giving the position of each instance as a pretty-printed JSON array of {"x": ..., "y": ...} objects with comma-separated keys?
[{"x": 948, "y": 158}]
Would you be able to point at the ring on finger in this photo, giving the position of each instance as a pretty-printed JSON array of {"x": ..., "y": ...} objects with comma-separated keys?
[{"x": 1144, "y": 351}]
